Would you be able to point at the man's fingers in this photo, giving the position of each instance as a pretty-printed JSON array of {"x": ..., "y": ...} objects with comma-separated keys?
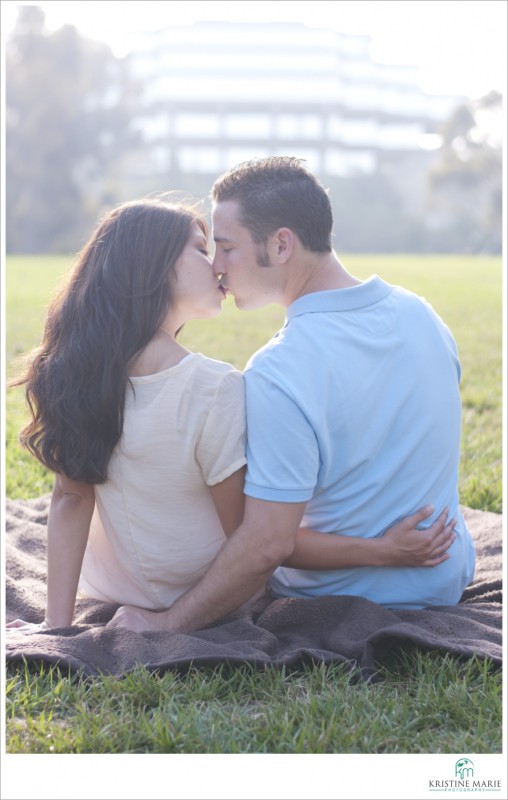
[
  {"x": 440, "y": 543},
  {"x": 424, "y": 513},
  {"x": 440, "y": 522},
  {"x": 447, "y": 534},
  {"x": 419, "y": 516},
  {"x": 440, "y": 527},
  {"x": 433, "y": 562}
]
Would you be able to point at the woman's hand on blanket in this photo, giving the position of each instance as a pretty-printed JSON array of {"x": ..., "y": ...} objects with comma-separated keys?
[
  {"x": 136, "y": 619},
  {"x": 27, "y": 627},
  {"x": 408, "y": 546}
]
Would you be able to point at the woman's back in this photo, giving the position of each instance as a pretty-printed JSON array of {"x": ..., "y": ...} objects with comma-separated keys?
[{"x": 155, "y": 528}]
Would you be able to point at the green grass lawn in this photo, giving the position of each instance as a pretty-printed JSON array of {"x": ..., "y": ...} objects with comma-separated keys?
[{"x": 424, "y": 702}]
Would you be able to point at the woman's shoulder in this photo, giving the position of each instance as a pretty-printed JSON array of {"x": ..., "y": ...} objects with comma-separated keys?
[
  {"x": 217, "y": 381},
  {"x": 216, "y": 369}
]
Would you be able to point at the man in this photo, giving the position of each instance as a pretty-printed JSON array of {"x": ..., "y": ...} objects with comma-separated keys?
[{"x": 353, "y": 408}]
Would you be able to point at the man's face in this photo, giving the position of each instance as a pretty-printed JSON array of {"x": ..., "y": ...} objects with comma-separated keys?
[{"x": 246, "y": 268}]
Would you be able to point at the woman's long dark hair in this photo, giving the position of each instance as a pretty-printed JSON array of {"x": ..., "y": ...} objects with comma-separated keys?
[{"x": 117, "y": 296}]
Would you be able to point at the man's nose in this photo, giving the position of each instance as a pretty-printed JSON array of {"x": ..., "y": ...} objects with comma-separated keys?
[{"x": 216, "y": 265}]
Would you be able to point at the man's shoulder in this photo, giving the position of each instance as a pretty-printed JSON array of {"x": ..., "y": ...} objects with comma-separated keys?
[
  {"x": 412, "y": 301},
  {"x": 272, "y": 354}
]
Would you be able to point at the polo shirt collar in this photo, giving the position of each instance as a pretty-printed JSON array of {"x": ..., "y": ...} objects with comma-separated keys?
[{"x": 364, "y": 294}]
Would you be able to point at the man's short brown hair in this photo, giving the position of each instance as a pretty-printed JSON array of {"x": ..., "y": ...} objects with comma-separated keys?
[{"x": 279, "y": 192}]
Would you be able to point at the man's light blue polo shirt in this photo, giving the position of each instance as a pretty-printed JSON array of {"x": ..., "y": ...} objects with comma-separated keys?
[{"x": 354, "y": 407}]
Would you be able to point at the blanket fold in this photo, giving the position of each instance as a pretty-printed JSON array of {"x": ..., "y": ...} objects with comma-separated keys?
[{"x": 287, "y": 631}]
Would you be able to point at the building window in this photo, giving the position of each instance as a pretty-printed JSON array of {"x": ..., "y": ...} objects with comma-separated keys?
[
  {"x": 198, "y": 159},
  {"x": 292, "y": 126},
  {"x": 196, "y": 125},
  {"x": 247, "y": 126}
]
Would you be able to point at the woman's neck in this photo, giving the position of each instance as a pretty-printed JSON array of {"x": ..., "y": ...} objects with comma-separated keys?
[{"x": 161, "y": 353}]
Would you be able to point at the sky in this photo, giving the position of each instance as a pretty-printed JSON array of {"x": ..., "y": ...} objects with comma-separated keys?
[{"x": 459, "y": 48}]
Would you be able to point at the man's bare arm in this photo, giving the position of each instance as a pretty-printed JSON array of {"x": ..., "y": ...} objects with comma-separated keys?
[{"x": 262, "y": 542}]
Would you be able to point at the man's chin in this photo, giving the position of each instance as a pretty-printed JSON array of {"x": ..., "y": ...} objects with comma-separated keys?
[
  {"x": 249, "y": 304},
  {"x": 243, "y": 306}
]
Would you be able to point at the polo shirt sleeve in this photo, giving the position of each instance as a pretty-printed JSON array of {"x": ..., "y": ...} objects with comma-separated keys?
[
  {"x": 282, "y": 449},
  {"x": 220, "y": 450},
  {"x": 448, "y": 338}
]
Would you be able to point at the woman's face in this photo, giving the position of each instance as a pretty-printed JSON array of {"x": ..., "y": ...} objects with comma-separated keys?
[{"x": 195, "y": 292}]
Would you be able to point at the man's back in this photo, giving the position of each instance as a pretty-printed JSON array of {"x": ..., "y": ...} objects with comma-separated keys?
[{"x": 355, "y": 407}]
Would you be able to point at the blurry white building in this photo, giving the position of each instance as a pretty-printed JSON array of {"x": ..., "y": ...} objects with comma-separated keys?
[{"x": 220, "y": 93}]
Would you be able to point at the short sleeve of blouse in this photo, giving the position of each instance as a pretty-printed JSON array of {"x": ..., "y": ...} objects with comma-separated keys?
[{"x": 221, "y": 447}]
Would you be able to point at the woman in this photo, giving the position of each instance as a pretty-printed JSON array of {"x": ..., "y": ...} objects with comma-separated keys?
[{"x": 147, "y": 440}]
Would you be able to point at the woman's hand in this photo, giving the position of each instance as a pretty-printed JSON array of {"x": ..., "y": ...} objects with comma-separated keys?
[
  {"x": 407, "y": 546},
  {"x": 27, "y": 627}
]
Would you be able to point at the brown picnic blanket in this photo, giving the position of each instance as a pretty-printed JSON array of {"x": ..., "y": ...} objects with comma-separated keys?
[{"x": 272, "y": 632}]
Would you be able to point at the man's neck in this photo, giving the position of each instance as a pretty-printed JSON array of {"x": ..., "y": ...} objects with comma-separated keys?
[{"x": 318, "y": 273}]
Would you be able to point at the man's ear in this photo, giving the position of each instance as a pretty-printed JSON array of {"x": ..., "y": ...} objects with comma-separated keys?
[{"x": 283, "y": 245}]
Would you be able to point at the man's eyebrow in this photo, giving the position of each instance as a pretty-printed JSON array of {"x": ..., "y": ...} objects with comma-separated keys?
[{"x": 221, "y": 239}]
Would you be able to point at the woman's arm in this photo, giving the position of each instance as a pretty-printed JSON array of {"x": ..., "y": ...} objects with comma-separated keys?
[
  {"x": 403, "y": 545},
  {"x": 70, "y": 514},
  {"x": 229, "y": 500}
]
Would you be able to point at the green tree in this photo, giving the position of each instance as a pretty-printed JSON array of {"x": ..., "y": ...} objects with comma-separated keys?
[
  {"x": 465, "y": 182},
  {"x": 69, "y": 106}
]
